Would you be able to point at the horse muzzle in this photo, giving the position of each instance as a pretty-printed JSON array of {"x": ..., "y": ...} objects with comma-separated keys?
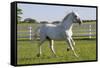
[{"x": 79, "y": 21}]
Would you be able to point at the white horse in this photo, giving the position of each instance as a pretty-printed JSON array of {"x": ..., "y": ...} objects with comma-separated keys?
[{"x": 63, "y": 31}]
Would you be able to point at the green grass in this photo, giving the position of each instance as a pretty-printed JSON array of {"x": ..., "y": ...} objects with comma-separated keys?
[{"x": 27, "y": 51}]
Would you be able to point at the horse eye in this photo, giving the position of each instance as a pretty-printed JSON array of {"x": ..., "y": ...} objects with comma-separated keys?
[{"x": 75, "y": 16}]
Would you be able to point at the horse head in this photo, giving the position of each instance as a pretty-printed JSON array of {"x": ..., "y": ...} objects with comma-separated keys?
[{"x": 76, "y": 18}]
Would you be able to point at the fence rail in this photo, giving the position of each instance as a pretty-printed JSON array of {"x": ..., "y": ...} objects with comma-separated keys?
[{"x": 88, "y": 30}]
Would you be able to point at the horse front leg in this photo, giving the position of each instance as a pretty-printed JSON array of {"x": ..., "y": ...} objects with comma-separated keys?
[
  {"x": 71, "y": 46},
  {"x": 73, "y": 42},
  {"x": 52, "y": 47}
]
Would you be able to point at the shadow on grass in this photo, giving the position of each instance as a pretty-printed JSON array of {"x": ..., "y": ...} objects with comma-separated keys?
[{"x": 73, "y": 38}]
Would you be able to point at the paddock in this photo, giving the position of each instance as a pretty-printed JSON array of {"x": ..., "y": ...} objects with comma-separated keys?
[
  {"x": 26, "y": 31},
  {"x": 27, "y": 47}
]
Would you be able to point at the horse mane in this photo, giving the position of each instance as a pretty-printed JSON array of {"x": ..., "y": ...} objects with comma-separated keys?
[{"x": 66, "y": 17}]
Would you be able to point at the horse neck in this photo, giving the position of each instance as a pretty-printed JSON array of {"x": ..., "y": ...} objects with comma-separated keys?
[{"x": 67, "y": 24}]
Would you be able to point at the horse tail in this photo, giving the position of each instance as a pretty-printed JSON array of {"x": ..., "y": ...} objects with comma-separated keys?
[{"x": 36, "y": 33}]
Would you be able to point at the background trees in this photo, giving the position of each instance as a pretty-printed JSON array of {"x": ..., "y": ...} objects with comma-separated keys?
[
  {"x": 29, "y": 20},
  {"x": 19, "y": 13}
]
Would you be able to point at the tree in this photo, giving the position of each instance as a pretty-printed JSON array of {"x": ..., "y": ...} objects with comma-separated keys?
[
  {"x": 56, "y": 22},
  {"x": 30, "y": 20},
  {"x": 19, "y": 12},
  {"x": 44, "y": 22}
]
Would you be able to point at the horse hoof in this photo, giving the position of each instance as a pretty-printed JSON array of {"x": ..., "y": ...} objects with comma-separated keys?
[
  {"x": 38, "y": 55},
  {"x": 77, "y": 56},
  {"x": 68, "y": 49}
]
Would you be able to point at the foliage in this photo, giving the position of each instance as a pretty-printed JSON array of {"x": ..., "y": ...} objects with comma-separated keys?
[
  {"x": 30, "y": 20},
  {"x": 44, "y": 22},
  {"x": 56, "y": 22},
  {"x": 19, "y": 12},
  {"x": 89, "y": 21}
]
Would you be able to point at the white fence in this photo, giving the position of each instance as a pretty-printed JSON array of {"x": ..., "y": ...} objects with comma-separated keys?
[{"x": 87, "y": 30}]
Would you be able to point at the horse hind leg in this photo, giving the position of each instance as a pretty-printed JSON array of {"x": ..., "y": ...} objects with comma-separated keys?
[
  {"x": 40, "y": 45},
  {"x": 52, "y": 46}
]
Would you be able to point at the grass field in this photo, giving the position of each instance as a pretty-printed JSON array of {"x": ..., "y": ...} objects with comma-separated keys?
[{"x": 27, "y": 51}]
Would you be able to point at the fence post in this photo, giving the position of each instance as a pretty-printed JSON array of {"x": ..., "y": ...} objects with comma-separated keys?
[
  {"x": 90, "y": 31},
  {"x": 30, "y": 33}
]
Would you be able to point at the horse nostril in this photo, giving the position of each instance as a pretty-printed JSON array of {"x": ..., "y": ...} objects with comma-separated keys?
[{"x": 80, "y": 22}]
